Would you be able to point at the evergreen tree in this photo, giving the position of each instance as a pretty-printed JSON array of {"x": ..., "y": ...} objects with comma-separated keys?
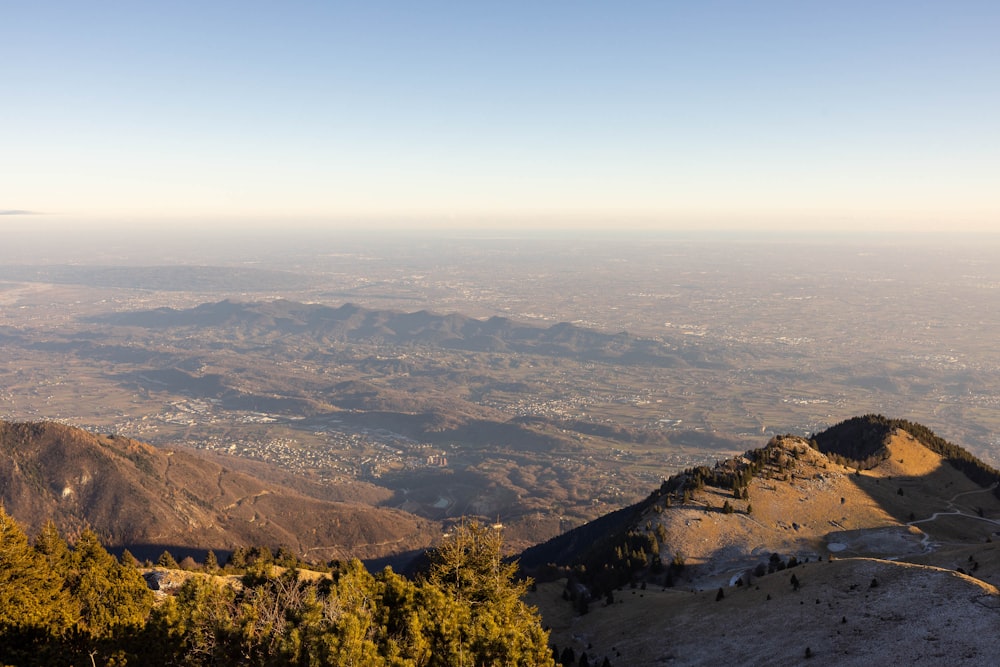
[
  {"x": 356, "y": 618},
  {"x": 166, "y": 559},
  {"x": 113, "y": 599},
  {"x": 469, "y": 566},
  {"x": 32, "y": 600},
  {"x": 62, "y": 605},
  {"x": 197, "y": 624},
  {"x": 128, "y": 560},
  {"x": 237, "y": 559},
  {"x": 50, "y": 544}
]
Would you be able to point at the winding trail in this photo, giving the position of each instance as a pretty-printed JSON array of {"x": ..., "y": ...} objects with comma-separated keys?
[
  {"x": 252, "y": 497},
  {"x": 953, "y": 511}
]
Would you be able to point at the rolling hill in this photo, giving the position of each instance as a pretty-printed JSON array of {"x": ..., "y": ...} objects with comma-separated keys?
[
  {"x": 870, "y": 542},
  {"x": 147, "y": 499},
  {"x": 350, "y": 322},
  {"x": 885, "y": 553}
]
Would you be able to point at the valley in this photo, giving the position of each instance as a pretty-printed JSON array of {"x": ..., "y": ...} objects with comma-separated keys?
[
  {"x": 519, "y": 334},
  {"x": 542, "y": 382}
]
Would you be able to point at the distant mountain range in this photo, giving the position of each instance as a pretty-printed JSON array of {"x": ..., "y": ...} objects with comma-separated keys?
[{"x": 350, "y": 322}]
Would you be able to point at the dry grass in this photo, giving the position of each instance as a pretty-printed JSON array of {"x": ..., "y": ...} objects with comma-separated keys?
[
  {"x": 817, "y": 507},
  {"x": 922, "y": 610},
  {"x": 915, "y": 614}
]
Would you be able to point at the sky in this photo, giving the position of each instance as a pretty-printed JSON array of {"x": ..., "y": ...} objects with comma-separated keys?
[{"x": 738, "y": 115}]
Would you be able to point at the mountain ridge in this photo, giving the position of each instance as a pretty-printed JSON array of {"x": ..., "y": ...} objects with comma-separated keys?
[
  {"x": 730, "y": 487},
  {"x": 135, "y": 494},
  {"x": 784, "y": 545},
  {"x": 350, "y": 322},
  {"x": 781, "y": 553}
]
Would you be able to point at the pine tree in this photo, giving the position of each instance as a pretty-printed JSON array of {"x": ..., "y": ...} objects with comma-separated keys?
[
  {"x": 469, "y": 567},
  {"x": 112, "y": 597},
  {"x": 211, "y": 562},
  {"x": 32, "y": 599},
  {"x": 128, "y": 560},
  {"x": 166, "y": 559},
  {"x": 50, "y": 544},
  {"x": 199, "y": 624},
  {"x": 237, "y": 559}
]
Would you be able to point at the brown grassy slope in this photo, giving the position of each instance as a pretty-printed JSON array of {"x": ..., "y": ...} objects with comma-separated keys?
[
  {"x": 814, "y": 503},
  {"x": 912, "y": 507},
  {"x": 915, "y": 615},
  {"x": 133, "y": 494}
]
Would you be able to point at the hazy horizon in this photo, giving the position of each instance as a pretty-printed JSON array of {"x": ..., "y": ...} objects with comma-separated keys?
[
  {"x": 762, "y": 118},
  {"x": 143, "y": 244}
]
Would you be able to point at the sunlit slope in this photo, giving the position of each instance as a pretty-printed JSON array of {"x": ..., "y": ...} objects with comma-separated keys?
[
  {"x": 136, "y": 495},
  {"x": 647, "y": 579},
  {"x": 806, "y": 505}
]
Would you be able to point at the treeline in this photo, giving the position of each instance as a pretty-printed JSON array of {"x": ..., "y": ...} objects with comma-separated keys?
[
  {"x": 633, "y": 553},
  {"x": 67, "y": 605},
  {"x": 975, "y": 469},
  {"x": 616, "y": 550},
  {"x": 75, "y": 604},
  {"x": 240, "y": 560},
  {"x": 860, "y": 442}
]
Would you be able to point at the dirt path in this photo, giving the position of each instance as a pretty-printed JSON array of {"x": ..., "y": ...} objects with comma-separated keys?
[
  {"x": 953, "y": 511},
  {"x": 244, "y": 499}
]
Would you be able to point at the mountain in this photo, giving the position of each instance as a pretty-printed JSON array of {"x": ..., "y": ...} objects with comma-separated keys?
[
  {"x": 872, "y": 541},
  {"x": 350, "y": 322},
  {"x": 148, "y": 499}
]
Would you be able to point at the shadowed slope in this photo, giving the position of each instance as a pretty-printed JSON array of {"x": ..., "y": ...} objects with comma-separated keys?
[{"x": 132, "y": 493}]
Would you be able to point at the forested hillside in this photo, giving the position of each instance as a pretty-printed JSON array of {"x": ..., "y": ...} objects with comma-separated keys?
[{"x": 74, "y": 604}]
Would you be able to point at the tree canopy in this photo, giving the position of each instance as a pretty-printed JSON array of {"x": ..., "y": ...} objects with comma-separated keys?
[{"x": 73, "y": 604}]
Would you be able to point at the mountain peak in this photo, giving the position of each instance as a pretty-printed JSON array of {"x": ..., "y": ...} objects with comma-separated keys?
[
  {"x": 792, "y": 499},
  {"x": 786, "y": 531}
]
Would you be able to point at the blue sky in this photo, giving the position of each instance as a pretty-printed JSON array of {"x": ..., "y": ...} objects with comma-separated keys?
[{"x": 668, "y": 115}]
